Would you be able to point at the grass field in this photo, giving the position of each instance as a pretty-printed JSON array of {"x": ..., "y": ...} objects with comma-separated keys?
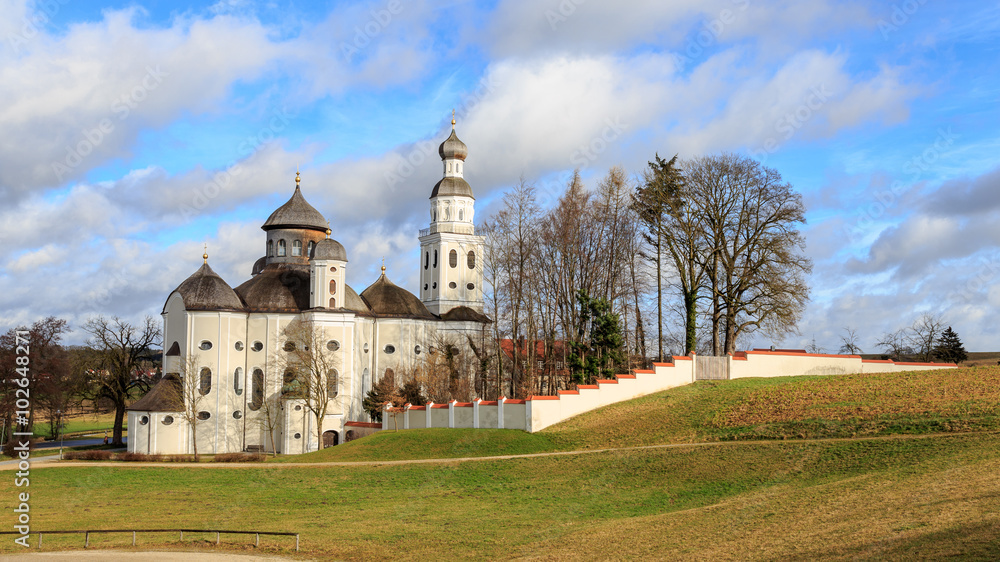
[{"x": 889, "y": 495}]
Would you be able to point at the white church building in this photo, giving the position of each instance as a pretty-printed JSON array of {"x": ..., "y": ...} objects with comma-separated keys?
[{"x": 232, "y": 342}]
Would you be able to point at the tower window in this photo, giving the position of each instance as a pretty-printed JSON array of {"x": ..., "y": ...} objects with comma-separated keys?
[
  {"x": 333, "y": 302},
  {"x": 472, "y": 260},
  {"x": 453, "y": 258},
  {"x": 453, "y": 285},
  {"x": 206, "y": 381},
  {"x": 435, "y": 259},
  {"x": 470, "y": 286},
  {"x": 427, "y": 259},
  {"x": 461, "y": 214},
  {"x": 309, "y": 248},
  {"x": 237, "y": 385},
  {"x": 270, "y": 248},
  {"x": 333, "y": 383},
  {"x": 281, "y": 248},
  {"x": 333, "y": 286},
  {"x": 297, "y": 248}
]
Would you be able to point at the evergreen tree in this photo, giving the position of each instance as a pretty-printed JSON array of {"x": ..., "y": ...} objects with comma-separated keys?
[
  {"x": 949, "y": 348},
  {"x": 599, "y": 352}
]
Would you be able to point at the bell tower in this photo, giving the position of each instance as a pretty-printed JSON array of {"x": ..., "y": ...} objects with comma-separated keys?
[{"x": 451, "y": 271}]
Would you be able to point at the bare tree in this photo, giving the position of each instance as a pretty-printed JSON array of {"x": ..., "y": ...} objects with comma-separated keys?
[
  {"x": 266, "y": 402},
  {"x": 849, "y": 342},
  {"x": 189, "y": 393},
  {"x": 314, "y": 377},
  {"x": 923, "y": 335},
  {"x": 894, "y": 344},
  {"x": 121, "y": 349}
]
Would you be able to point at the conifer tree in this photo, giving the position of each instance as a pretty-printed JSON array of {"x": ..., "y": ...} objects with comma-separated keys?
[{"x": 949, "y": 348}]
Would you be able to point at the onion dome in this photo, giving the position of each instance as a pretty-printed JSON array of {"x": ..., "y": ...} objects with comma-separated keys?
[
  {"x": 164, "y": 397},
  {"x": 296, "y": 213},
  {"x": 385, "y": 298},
  {"x": 452, "y": 148},
  {"x": 205, "y": 290},
  {"x": 450, "y": 186},
  {"x": 329, "y": 249}
]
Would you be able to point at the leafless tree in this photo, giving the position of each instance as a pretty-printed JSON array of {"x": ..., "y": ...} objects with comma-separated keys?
[
  {"x": 315, "y": 377},
  {"x": 923, "y": 335},
  {"x": 121, "y": 349},
  {"x": 849, "y": 342},
  {"x": 195, "y": 383},
  {"x": 894, "y": 344}
]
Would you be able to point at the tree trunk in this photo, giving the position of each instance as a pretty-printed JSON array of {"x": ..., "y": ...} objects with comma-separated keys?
[{"x": 119, "y": 422}]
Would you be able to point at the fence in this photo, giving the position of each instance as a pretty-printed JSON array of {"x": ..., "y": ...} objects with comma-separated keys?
[
  {"x": 709, "y": 368},
  {"x": 218, "y": 534}
]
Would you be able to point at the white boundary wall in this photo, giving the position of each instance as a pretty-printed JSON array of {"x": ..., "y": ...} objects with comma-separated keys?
[{"x": 538, "y": 412}]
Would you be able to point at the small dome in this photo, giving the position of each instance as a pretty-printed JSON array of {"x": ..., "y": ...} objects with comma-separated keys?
[
  {"x": 387, "y": 299},
  {"x": 296, "y": 213},
  {"x": 278, "y": 288},
  {"x": 452, "y": 186},
  {"x": 329, "y": 249},
  {"x": 166, "y": 396},
  {"x": 452, "y": 148},
  {"x": 205, "y": 290}
]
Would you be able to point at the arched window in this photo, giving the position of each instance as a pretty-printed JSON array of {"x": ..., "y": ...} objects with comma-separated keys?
[
  {"x": 333, "y": 286},
  {"x": 472, "y": 260},
  {"x": 297, "y": 248},
  {"x": 333, "y": 383},
  {"x": 390, "y": 376},
  {"x": 461, "y": 214},
  {"x": 435, "y": 259},
  {"x": 309, "y": 248},
  {"x": 333, "y": 302},
  {"x": 257, "y": 390},
  {"x": 366, "y": 382},
  {"x": 281, "y": 248},
  {"x": 238, "y": 381},
  {"x": 427, "y": 259},
  {"x": 453, "y": 258},
  {"x": 270, "y": 248},
  {"x": 206, "y": 381}
]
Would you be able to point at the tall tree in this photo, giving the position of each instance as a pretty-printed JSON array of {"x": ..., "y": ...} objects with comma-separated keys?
[
  {"x": 923, "y": 335},
  {"x": 313, "y": 366},
  {"x": 949, "y": 347},
  {"x": 849, "y": 342},
  {"x": 120, "y": 362}
]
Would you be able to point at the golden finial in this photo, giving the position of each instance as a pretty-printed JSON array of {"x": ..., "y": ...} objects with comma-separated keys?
[
  {"x": 328, "y": 231},
  {"x": 453, "y": 119},
  {"x": 383, "y": 265},
  {"x": 297, "y": 178},
  {"x": 205, "y": 255}
]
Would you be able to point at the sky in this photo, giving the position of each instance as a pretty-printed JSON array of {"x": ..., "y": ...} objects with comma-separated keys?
[{"x": 136, "y": 132}]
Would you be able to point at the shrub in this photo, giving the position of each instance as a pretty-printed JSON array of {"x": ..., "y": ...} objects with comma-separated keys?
[
  {"x": 134, "y": 457},
  {"x": 97, "y": 455},
  {"x": 239, "y": 457},
  {"x": 178, "y": 458}
]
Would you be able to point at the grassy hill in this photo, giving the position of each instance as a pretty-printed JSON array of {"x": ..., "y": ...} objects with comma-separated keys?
[{"x": 901, "y": 492}]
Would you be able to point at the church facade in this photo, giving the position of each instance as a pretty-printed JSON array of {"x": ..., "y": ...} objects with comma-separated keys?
[{"x": 228, "y": 349}]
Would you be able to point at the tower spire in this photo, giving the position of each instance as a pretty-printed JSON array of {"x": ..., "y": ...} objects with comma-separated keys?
[
  {"x": 205, "y": 255},
  {"x": 453, "y": 119}
]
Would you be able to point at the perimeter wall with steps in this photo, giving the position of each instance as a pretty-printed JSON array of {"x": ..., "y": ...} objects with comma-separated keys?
[{"x": 538, "y": 412}]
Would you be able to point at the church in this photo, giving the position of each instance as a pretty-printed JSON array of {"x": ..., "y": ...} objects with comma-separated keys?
[{"x": 230, "y": 345}]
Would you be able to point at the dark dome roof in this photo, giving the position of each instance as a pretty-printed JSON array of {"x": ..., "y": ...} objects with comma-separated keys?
[
  {"x": 258, "y": 265},
  {"x": 465, "y": 314},
  {"x": 354, "y": 302},
  {"x": 205, "y": 290},
  {"x": 452, "y": 186},
  {"x": 164, "y": 397},
  {"x": 296, "y": 213},
  {"x": 278, "y": 288},
  {"x": 329, "y": 249},
  {"x": 453, "y": 148},
  {"x": 386, "y": 299}
]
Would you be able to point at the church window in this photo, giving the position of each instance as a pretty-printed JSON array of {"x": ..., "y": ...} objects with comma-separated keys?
[
  {"x": 143, "y": 420},
  {"x": 435, "y": 285},
  {"x": 298, "y": 436},
  {"x": 435, "y": 259},
  {"x": 257, "y": 346},
  {"x": 333, "y": 302},
  {"x": 237, "y": 415},
  {"x": 453, "y": 258},
  {"x": 452, "y": 285},
  {"x": 297, "y": 248},
  {"x": 289, "y": 346},
  {"x": 333, "y": 286},
  {"x": 416, "y": 350},
  {"x": 281, "y": 248},
  {"x": 390, "y": 349},
  {"x": 237, "y": 381},
  {"x": 333, "y": 383},
  {"x": 449, "y": 167},
  {"x": 333, "y": 345},
  {"x": 203, "y": 415},
  {"x": 472, "y": 260},
  {"x": 238, "y": 346},
  {"x": 461, "y": 214},
  {"x": 365, "y": 380},
  {"x": 470, "y": 286},
  {"x": 205, "y": 345},
  {"x": 167, "y": 420},
  {"x": 270, "y": 248},
  {"x": 333, "y": 270},
  {"x": 425, "y": 286},
  {"x": 427, "y": 259},
  {"x": 390, "y": 376},
  {"x": 206, "y": 381},
  {"x": 309, "y": 248},
  {"x": 298, "y": 408},
  {"x": 257, "y": 390}
]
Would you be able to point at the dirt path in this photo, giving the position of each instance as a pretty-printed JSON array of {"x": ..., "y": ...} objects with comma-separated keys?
[{"x": 46, "y": 462}]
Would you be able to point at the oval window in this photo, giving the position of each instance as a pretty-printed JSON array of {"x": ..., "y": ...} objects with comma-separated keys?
[
  {"x": 289, "y": 346},
  {"x": 143, "y": 420},
  {"x": 237, "y": 414},
  {"x": 333, "y": 270},
  {"x": 416, "y": 350},
  {"x": 205, "y": 345},
  {"x": 333, "y": 345},
  {"x": 203, "y": 415},
  {"x": 453, "y": 285},
  {"x": 470, "y": 286},
  {"x": 366, "y": 348},
  {"x": 453, "y": 258},
  {"x": 167, "y": 420},
  {"x": 390, "y": 349},
  {"x": 239, "y": 346},
  {"x": 333, "y": 286},
  {"x": 206, "y": 381},
  {"x": 238, "y": 381},
  {"x": 257, "y": 346},
  {"x": 333, "y": 383},
  {"x": 298, "y": 436},
  {"x": 298, "y": 408},
  {"x": 471, "y": 258},
  {"x": 257, "y": 390}
]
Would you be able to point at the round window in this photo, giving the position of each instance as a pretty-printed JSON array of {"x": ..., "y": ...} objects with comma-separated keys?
[
  {"x": 143, "y": 420},
  {"x": 366, "y": 348},
  {"x": 203, "y": 415},
  {"x": 453, "y": 285},
  {"x": 257, "y": 346},
  {"x": 298, "y": 408},
  {"x": 237, "y": 414},
  {"x": 390, "y": 349},
  {"x": 333, "y": 270},
  {"x": 167, "y": 420},
  {"x": 289, "y": 346},
  {"x": 239, "y": 346},
  {"x": 298, "y": 436},
  {"x": 333, "y": 345},
  {"x": 205, "y": 345},
  {"x": 470, "y": 286},
  {"x": 416, "y": 350}
]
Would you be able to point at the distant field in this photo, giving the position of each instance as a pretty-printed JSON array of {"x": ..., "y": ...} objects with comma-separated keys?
[
  {"x": 983, "y": 358},
  {"x": 891, "y": 496}
]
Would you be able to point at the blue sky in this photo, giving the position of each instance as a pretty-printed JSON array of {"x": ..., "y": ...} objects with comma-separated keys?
[{"x": 136, "y": 131}]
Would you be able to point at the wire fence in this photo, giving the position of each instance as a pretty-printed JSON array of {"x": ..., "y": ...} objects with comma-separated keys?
[{"x": 218, "y": 534}]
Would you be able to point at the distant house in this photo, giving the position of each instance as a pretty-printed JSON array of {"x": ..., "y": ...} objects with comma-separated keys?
[{"x": 544, "y": 361}]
